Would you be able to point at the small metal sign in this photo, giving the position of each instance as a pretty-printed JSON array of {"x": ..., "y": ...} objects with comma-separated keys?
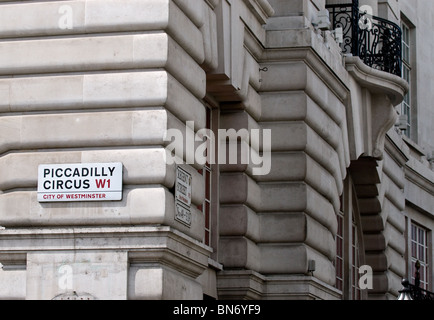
[
  {"x": 183, "y": 187},
  {"x": 183, "y": 196},
  {"x": 183, "y": 214}
]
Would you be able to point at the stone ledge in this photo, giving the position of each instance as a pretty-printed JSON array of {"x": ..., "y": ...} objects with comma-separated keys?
[
  {"x": 377, "y": 81},
  {"x": 140, "y": 206},
  {"x": 47, "y": 19},
  {"x": 114, "y": 90},
  {"x": 81, "y": 130},
  {"x": 153, "y": 244},
  {"x": 247, "y": 284}
]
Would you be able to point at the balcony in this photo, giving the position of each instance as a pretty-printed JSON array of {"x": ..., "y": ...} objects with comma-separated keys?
[
  {"x": 376, "y": 41},
  {"x": 413, "y": 291}
]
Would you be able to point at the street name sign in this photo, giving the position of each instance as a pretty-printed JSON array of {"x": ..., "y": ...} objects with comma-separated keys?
[
  {"x": 183, "y": 196},
  {"x": 80, "y": 182}
]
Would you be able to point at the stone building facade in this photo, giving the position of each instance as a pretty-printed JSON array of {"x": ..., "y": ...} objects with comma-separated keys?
[{"x": 343, "y": 209}]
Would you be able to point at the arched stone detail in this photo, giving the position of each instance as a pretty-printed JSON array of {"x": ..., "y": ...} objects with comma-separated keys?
[{"x": 379, "y": 236}]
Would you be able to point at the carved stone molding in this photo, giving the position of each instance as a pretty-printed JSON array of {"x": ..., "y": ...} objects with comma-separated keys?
[
  {"x": 382, "y": 92},
  {"x": 240, "y": 40}
]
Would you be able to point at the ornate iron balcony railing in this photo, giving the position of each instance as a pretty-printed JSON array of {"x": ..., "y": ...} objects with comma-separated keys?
[
  {"x": 420, "y": 294},
  {"x": 377, "y": 41},
  {"x": 414, "y": 291}
]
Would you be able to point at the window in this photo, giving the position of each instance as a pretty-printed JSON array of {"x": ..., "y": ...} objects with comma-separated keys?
[
  {"x": 419, "y": 252},
  {"x": 348, "y": 252},
  {"x": 207, "y": 204},
  {"x": 339, "y": 263},
  {"x": 210, "y": 178},
  {"x": 405, "y": 43},
  {"x": 355, "y": 262},
  {"x": 406, "y": 74}
]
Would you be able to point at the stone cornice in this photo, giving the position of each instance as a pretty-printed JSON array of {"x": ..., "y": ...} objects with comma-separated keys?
[
  {"x": 314, "y": 61},
  {"x": 418, "y": 174},
  {"x": 377, "y": 81},
  {"x": 163, "y": 245},
  {"x": 261, "y": 9},
  {"x": 385, "y": 92},
  {"x": 315, "y": 49},
  {"x": 212, "y": 3},
  {"x": 396, "y": 148},
  {"x": 252, "y": 285}
]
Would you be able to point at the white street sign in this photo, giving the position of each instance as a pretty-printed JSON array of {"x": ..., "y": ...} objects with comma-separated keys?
[{"x": 80, "y": 182}]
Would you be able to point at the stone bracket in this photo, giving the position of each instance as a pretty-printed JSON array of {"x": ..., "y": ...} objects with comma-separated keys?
[{"x": 382, "y": 92}]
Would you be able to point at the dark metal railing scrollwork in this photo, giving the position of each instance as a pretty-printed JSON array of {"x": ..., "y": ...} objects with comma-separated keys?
[
  {"x": 420, "y": 294},
  {"x": 377, "y": 41},
  {"x": 380, "y": 46},
  {"x": 345, "y": 16},
  {"x": 414, "y": 291}
]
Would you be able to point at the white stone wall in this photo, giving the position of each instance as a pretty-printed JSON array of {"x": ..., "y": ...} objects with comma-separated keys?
[
  {"x": 416, "y": 178},
  {"x": 273, "y": 226},
  {"x": 100, "y": 81},
  {"x": 90, "y": 81}
]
